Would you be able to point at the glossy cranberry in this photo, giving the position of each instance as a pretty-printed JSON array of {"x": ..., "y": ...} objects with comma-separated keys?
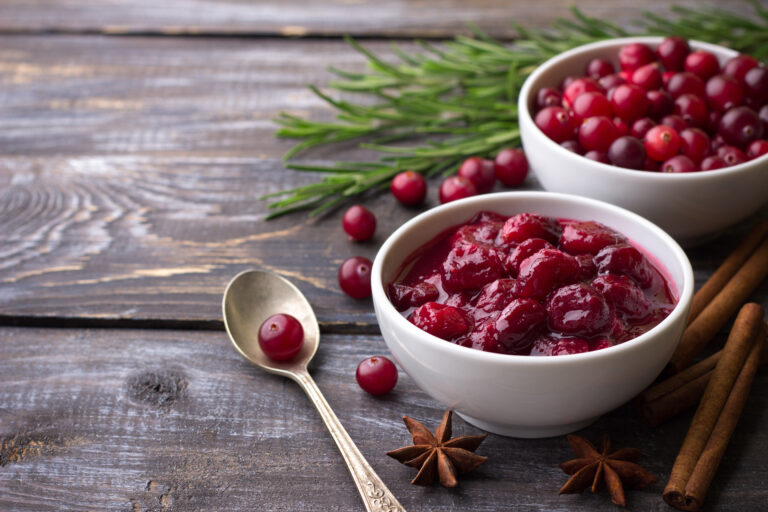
[
  {"x": 629, "y": 102},
  {"x": 493, "y": 298},
  {"x": 404, "y": 297},
  {"x": 724, "y": 92},
  {"x": 641, "y": 126},
  {"x": 757, "y": 149},
  {"x": 740, "y": 126},
  {"x": 627, "y": 152},
  {"x": 692, "y": 109},
  {"x": 480, "y": 172},
  {"x": 548, "y": 97},
  {"x": 598, "y": 68},
  {"x": 573, "y": 146},
  {"x": 376, "y": 375},
  {"x": 666, "y": 76},
  {"x": 587, "y": 238},
  {"x": 578, "y": 309},
  {"x": 556, "y": 123},
  {"x": 549, "y": 346},
  {"x": 712, "y": 162},
  {"x": 281, "y": 337},
  {"x": 610, "y": 81},
  {"x": 359, "y": 223},
  {"x": 738, "y": 66},
  {"x": 544, "y": 271},
  {"x": 686, "y": 83},
  {"x": 678, "y": 164},
  {"x": 355, "y": 277},
  {"x": 522, "y": 251},
  {"x": 597, "y": 156},
  {"x": 517, "y": 322},
  {"x": 409, "y": 188},
  {"x": 591, "y": 104},
  {"x": 661, "y": 142},
  {"x": 523, "y": 226},
  {"x": 660, "y": 103},
  {"x": 756, "y": 85},
  {"x": 454, "y": 188},
  {"x": 622, "y": 127},
  {"x": 694, "y": 144},
  {"x": 672, "y": 52},
  {"x": 635, "y": 55},
  {"x": 579, "y": 87},
  {"x": 627, "y": 260},
  {"x": 731, "y": 155},
  {"x": 597, "y": 133},
  {"x": 439, "y": 320},
  {"x": 675, "y": 122},
  {"x": 648, "y": 77},
  {"x": 702, "y": 63},
  {"x": 624, "y": 296},
  {"x": 511, "y": 167},
  {"x": 471, "y": 266}
]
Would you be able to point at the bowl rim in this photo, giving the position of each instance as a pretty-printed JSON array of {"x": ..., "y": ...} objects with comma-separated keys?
[
  {"x": 381, "y": 300},
  {"x": 526, "y": 92}
]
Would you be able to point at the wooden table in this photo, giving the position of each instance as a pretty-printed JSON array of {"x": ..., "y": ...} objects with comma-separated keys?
[{"x": 135, "y": 137}]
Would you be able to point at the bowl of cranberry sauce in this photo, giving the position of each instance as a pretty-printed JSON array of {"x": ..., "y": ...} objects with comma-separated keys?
[
  {"x": 531, "y": 313},
  {"x": 693, "y": 206}
]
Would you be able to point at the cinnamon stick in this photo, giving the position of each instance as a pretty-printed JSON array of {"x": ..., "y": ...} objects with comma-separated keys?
[
  {"x": 741, "y": 340},
  {"x": 723, "y": 306},
  {"x": 727, "y": 269}
]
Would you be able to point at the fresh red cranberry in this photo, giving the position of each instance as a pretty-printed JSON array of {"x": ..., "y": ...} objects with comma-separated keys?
[
  {"x": 355, "y": 277},
  {"x": 723, "y": 92},
  {"x": 756, "y": 85},
  {"x": 694, "y": 144},
  {"x": 591, "y": 104},
  {"x": 573, "y": 146},
  {"x": 404, "y": 297},
  {"x": 672, "y": 53},
  {"x": 686, "y": 83},
  {"x": 712, "y": 162},
  {"x": 625, "y": 75},
  {"x": 757, "y": 149},
  {"x": 281, "y": 337},
  {"x": 702, "y": 63},
  {"x": 523, "y": 226},
  {"x": 511, "y": 167},
  {"x": 597, "y": 133},
  {"x": 376, "y": 375},
  {"x": 587, "y": 237},
  {"x": 549, "y": 346},
  {"x": 517, "y": 322},
  {"x": 548, "y": 97},
  {"x": 666, "y": 76},
  {"x": 493, "y": 297},
  {"x": 454, "y": 188},
  {"x": 545, "y": 270},
  {"x": 622, "y": 128},
  {"x": 635, "y": 55},
  {"x": 624, "y": 296},
  {"x": 714, "y": 121},
  {"x": 610, "y": 81},
  {"x": 359, "y": 223},
  {"x": 641, "y": 126},
  {"x": 738, "y": 66},
  {"x": 692, "y": 109},
  {"x": 470, "y": 267},
  {"x": 408, "y": 187},
  {"x": 648, "y": 77},
  {"x": 627, "y": 152},
  {"x": 439, "y": 320},
  {"x": 598, "y": 68},
  {"x": 480, "y": 172},
  {"x": 556, "y": 123},
  {"x": 740, "y": 126},
  {"x": 579, "y": 87},
  {"x": 678, "y": 164},
  {"x": 579, "y": 310},
  {"x": 660, "y": 103},
  {"x": 661, "y": 142},
  {"x": 625, "y": 259},
  {"x": 717, "y": 142},
  {"x": 629, "y": 102},
  {"x": 522, "y": 251},
  {"x": 675, "y": 122},
  {"x": 597, "y": 156},
  {"x": 731, "y": 155},
  {"x": 651, "y": 165}
]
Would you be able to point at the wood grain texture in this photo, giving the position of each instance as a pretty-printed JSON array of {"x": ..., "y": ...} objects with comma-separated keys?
[
  {"x": 369, "y": 18},
  {"x": 141, "y": 420}
]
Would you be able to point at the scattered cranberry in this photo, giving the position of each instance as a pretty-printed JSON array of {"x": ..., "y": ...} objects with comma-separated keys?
[
  {"x": 635, "y": 55},
  {"x": 672, "y": 53},
  {"x": 627, "y": 152},
  {"x": 692, "y": 109},
  {"x": 661, "y": 142},
  {"x": 641, "y": 126},
  {"x": 597, "y": 156},
  {"x": 598, "y": 68},
  {"x": 756, "y": 85},
  {"x": 660, "y": 103},
  {"x": 355, "y": 277},
  {"x": 686, "y": 83},
  {"x": 712, "y": 162},
  {"x": 731, "y": 155},
  {"x": 376, "y": 375},
  {"x": 738, "y": 66},
  {"x": 740, "y": 126},
  {"x": 456, "y": 187},
  {"x": 480, "y": 172},
  {"x": 702, "y": 63},
  {"x": 597, "y": 133},
  {"x": 648, "y": 77},
  {"x": 281, "y": 337},
  {"x": 555, "y": 122},
  {"x": 408, "y": 187},
  {"x": 511, "y": 167},
  {"x": 678, "y": 164},
  {"x": 629, "y": 102},
  {"x": 724, "y": 92},
  {"x": 757, "y": 149},
  {"x": 359, "y": 223},
  {"x": 694, "y": 144},
  {"x": 548, "y": 97}
]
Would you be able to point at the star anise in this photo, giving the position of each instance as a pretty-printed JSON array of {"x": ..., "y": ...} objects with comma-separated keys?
[
  {"x": 616, "y": 470},
  {"x": 439, "y": 453}
]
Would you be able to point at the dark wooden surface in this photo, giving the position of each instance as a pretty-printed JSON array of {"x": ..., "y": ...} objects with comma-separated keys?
[{"x": 129, "y": 172}]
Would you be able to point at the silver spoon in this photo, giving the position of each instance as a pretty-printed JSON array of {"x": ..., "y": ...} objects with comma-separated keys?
[{"x": 252, "y": 297}]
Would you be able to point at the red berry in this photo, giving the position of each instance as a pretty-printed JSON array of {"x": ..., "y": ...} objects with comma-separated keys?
[
  {"x": 517, "y": 321},
  {"x": 624, "y": 296},
  {"x": 359, "y": 223},
  {"x": 757, "y": 149},
  {"x": 717, "y": 142},
  {"x": 661, "y": 142},
  {"x": 651, "y": 165},
  {"x": 545, "y": 270},
  {"x": 404, "y": 297},
  {"x": 587, "y": 237},
  {"x": 597, "y": 156},
  {"x": 480, "y": 172},
  {"x": 281, "y": 337},
  {"x": 731, "y": 155},
  {"x": 524, "y": 250},
  {"x": 629, "y": 102},
  {"x": 672, "y": 53},
  {"x": 666, "y": 76},
  {"x": 548, "y": 97},
  {"x": 591, "y": 104},
  {"x": 724, "y": 92},
  {"x": 355, "y": 277},
  {"x": 598, "y": 68},
  {"x": 408, "y": 187},
  {"x": 511, "y": 167},
  {"x": 567, "y": 81},
  {"x": 702, "y": 63},
  {"x": 622, "y": 128},
  {"x": 660, "y": 103},
  {"x": 634, "y": 55},
  {"x": 597, "y": 133},
  {"x": 376, "y": 375},
  {"x": 610, "y": 81},
  {"x": 738, "y": 66},
  {"x": 712, "y": 162},
  {"x": 694, "y": 144},
  {"x": 625, "y": 259},
  {"x": 573, "y": 146},
  {"x": 578, "y": 309},
  {"x": 686, "y": 83},
  {"x": 523, "y": 226},
  {"x": 556, "y": 123},
  {"x": 756, "y": 85},
  {"x": 692, "y": 109},
  {"x": 678, "y": 164},
  {"x": 740, "y": 126},
  {"x": 443, "y": 321},
  {"x": 579, "y": 87},
  {"x": 456, "y": 187},
  {"x": 641, "y": 127},
  {"x": 627, "y": 152},
  {"x": 675, "y": 122},
  {"x": 648, "y": 77}
]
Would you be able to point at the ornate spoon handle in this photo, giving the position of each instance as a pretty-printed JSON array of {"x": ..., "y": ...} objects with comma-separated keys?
[{"x": 376, "y": 496}]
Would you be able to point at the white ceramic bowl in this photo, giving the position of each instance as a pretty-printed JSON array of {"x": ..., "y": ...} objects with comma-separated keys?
[
  {"x": 692, "y": 207},
  {"x": 524, "y": 396}
]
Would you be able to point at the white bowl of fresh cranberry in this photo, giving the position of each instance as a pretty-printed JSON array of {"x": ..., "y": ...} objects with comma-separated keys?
[
  {"x": 671, "y": 129},
  {"x": 531, "y": 313}
]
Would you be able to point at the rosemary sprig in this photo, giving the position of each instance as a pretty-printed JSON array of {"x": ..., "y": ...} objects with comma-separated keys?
[{"x": 459, "y": 99}]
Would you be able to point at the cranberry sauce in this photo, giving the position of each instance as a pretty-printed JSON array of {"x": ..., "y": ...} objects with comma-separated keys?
[{"x": 531, "y": 285}]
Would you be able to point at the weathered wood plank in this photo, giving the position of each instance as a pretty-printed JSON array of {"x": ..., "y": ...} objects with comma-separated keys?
[
  {"x": 174, "y": 420},
  {"x": 393, "y": 18}
]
